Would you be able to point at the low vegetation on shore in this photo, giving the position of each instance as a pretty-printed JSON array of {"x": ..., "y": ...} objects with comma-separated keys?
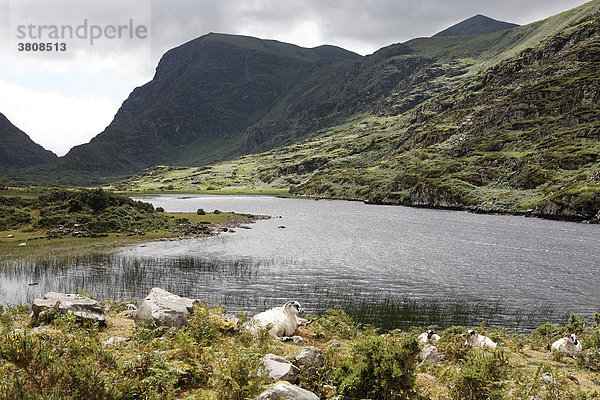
[
  {"x": 211, "y": 359},
  {"x": 55, "y": 221}
]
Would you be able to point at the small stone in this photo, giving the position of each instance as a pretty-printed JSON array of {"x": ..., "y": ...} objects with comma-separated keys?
[
  {"x": 10, "y": 236},
  {"x": 22, "y": 244},
  {"x": 429, "y": 353},
  {"x": 113, "y": 340},
  {"x": 298, "y": 339},
  {"x": 548, "y": 379},
  {"x": 308, "y": 357},
  {"x": 41, "y": 328}
]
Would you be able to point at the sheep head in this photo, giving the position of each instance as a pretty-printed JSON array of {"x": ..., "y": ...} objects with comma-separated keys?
[
  {"x": 430, "y": 333},
  {"x": 572, "y": 338},
  {"x": 293, "y": 307}
]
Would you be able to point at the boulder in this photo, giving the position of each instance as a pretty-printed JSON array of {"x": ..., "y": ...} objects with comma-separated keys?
[
  {"x": 429, "y": 353},
  {"x": 286, "y": 391},
  {"x": 308, "y": 357},
  {"x": 280, "y": 369},
  {"x": 164, "y": 309},
  {"x": 72, "y": 304}
]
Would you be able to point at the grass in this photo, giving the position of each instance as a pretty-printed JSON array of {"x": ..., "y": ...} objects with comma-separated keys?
[
  {"x": 209, "y": 360},
  {"x": 40, "y": 246},
  {"x": 146, "y": 191}
]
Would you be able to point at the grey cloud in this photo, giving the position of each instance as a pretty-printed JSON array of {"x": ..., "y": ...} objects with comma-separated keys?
[
  {"x": 355, "y": 24},
  {"x": 358, "y": 25}
]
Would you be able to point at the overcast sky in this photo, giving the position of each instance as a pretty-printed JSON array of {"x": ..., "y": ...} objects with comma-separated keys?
[{"x": 61, "y": 99}]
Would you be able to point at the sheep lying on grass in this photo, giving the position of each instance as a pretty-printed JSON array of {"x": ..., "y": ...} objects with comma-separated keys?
[
  {"x": 283, "y": 320},
  {"x": 569, "y": 345},
  {"x": 476, "y": 340},
  {"x": 429, "y": 336}
]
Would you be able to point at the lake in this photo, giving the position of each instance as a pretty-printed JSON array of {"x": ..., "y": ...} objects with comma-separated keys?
[{"x": 387, "y": 265}]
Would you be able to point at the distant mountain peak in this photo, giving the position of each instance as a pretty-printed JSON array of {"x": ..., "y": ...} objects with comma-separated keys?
[{"x": 477, "y": 25}]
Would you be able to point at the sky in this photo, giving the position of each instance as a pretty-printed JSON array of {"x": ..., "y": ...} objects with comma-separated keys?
[{"x": 64, "y": 98}]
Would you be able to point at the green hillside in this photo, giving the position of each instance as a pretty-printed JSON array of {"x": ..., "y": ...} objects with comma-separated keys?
[
  {"x": 520, "y": 136},
  {"x": 17, "y": 150}
]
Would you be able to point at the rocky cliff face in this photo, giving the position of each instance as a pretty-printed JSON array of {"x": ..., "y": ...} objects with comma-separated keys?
[{"x": 204, "y": 98}]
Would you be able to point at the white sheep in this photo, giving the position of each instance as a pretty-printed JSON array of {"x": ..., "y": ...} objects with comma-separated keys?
[
  {"x": 474, "y": 339},
  {"x": 429, "y": 336},
  {"x": 283, "y": 320},
  {"x": 569, "y": 345}
]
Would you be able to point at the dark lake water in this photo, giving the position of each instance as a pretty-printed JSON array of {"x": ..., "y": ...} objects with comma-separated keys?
[{"x": 391, "y": 266}]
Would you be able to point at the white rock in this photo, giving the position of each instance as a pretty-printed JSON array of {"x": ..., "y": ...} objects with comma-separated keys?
[
  {"x": 280, "y": 369},
  {"x": 429, "y": 353},
  {"x": 288, "y": 392},
  {"x": 73, "y": 304},
  {"x": 164, "y": 308}
]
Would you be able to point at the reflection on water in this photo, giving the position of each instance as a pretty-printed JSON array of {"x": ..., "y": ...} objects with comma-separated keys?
[
  {"x": 393, "y": 267},
  {"x": 242, "y": 287}
]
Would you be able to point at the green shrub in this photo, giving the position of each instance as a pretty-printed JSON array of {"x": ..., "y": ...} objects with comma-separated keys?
[
  {"x": 590, "y": 358},
  {"x": 242, "y": 376},
  {"x": 544, "y": 335},
  {"x": 480, "y": 376},
  {"x": 379, "y": 367},
  {"x": 160, "y": 209},
  {"x": 12, "y": 217},
  {"x": 576, "y": 324},
  {"x": 201, "y": 212},
  {"x": 335, "y": 324},
  {"x": 216, "y": 212},
  {"x": 203, "y": 326}
]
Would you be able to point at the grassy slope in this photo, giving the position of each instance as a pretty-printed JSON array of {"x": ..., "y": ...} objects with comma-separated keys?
[{"x": 516, "y": 137}]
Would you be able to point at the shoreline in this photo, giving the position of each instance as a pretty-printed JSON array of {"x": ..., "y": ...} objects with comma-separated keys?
[
  {"x": 470, "y": 209},
  {"x": 39, "y": 244}
]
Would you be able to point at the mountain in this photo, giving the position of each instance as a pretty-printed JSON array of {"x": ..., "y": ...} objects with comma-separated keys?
[
  {"x": 503, "y": 122},
  {"x": 477, "y": 25},
  {"x": 17, "y": 150},
  {"x": 208, "y": 101}
]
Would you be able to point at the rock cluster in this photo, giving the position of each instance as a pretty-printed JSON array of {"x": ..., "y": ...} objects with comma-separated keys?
[{"x": 62, "y": 231}]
